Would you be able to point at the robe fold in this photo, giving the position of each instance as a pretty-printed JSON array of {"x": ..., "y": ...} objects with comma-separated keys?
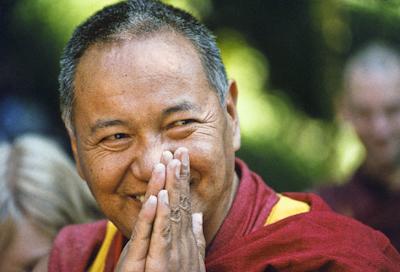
[{"x": 313, "y": 240}]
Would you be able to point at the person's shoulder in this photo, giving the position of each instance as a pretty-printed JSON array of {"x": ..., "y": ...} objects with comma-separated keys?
[
  {"x": 80, "y": 236},
  {"x": 346, "y": 240},
  {"x": 75, "y": 245},
  {"x": 76, "y": 230},
  {"x": 331, "y": 223}
]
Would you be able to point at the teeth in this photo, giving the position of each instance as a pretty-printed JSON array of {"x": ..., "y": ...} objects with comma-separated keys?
[{"x": 140, "y": 198}]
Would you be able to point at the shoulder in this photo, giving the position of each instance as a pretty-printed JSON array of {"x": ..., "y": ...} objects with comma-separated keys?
[
  {"x": 80, "y": 235},
  {"x": 75, "y": 245},
  {"x": 347, "y": 242}
]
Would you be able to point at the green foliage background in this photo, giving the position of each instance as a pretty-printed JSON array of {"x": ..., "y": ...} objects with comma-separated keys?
[{"x": 286, "y": 57}]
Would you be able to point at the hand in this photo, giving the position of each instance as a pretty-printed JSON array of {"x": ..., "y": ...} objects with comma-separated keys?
[{"x": 166, "y": 235}]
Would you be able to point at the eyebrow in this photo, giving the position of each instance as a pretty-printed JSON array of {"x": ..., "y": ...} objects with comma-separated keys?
[
  {"x": 106, "y": 123},
  {"x": 183, "y": 106}
]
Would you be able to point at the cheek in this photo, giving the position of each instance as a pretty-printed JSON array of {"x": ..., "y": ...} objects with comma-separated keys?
[
  {"x": 206, "y": 155},
  {"x": 104, "y": 171},
  {"x": 209, "y": 163},
  {"x": 363, "y": 130}
]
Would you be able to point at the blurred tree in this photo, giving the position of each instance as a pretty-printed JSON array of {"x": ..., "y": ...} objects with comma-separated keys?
[{"x": 286, "y": 56}]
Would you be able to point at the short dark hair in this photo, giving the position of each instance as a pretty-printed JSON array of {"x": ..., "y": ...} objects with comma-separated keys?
[{"x": 136, "y": 18}]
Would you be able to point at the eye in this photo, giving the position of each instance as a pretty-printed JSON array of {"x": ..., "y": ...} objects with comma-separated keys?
[
  {"x": 117, "y": 141},
  {"x": 392, "y": 110},
  {"x": 181, "y": 123},
  {"x": 181, "y": 129},
  {"x": 361, "y": 113},
  {"x": 116, "y": 137},
  {"x": 119, "y": 136}
]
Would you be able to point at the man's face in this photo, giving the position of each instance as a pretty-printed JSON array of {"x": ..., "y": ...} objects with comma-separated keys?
[
  {"x": 138, "y": 98},
  {"x": 374, "y": 107}
]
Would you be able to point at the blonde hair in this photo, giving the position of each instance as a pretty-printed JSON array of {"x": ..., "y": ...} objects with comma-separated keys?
[{"x": 39, "y": 182}]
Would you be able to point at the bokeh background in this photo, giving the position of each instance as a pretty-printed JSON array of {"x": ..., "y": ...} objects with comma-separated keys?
[{"x": 286, "y": 56}]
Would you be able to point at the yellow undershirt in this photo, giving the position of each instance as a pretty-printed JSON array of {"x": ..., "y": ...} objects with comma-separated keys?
[
  {"x": 284, "y": 208},
  {"x": 100, "y": 262}
]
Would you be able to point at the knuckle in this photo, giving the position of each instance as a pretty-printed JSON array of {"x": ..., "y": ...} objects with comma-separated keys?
[
  {"x": 134, "y": 233},
  {"x": 165, "y": 231},
  {"x": 185, "y": 174}
]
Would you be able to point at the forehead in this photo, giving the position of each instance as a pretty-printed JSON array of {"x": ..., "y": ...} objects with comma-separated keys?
[
  {"x": 154, "y": 71},
  {"x": 374, "y": 88},
  {"x": 162, "y": 57}
]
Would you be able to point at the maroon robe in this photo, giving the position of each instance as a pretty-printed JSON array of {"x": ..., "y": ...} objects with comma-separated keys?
[
  {"x": 319, "y": 240},
  {"x": 367, "y": 199}
]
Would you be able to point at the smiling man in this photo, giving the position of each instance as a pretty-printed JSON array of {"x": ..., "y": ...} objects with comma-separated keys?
[{"x": 154, "y": 130}]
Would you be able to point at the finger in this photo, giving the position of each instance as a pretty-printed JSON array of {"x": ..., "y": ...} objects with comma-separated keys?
[
  {"x": 133, "y": 257},
  {"x": 166, "y": 157},
  {"x": 172, "y": 182},
  {"x": 160, "y": 244},
  {"x": 157, "y": 181},
  {"x": 197, "y": 227},
  {"x": 179, "y": 199},
  {"x": 182, "y": 154}
]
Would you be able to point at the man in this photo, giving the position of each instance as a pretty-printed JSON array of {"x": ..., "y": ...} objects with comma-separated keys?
[
  {"x": 371, "y": 103},
  {"x": 154, "y": 130}
]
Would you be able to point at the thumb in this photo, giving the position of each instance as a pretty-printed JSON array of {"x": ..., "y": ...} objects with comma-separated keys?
[{"x": 197, "y": 226}]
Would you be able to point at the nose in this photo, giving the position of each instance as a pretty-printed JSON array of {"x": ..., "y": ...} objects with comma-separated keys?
[{"x": 146, "y": 155}]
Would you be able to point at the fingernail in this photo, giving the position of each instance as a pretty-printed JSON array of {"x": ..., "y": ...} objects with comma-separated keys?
[
  {"x": 152, "y": 200},
  {"x": 167, "y": 155},
  {"x": 197, "y": 217},
  {"x": 163, "y": 196},
  {"x": 159, "y": 168}
]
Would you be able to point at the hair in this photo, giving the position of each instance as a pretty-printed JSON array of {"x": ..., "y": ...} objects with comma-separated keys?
[
  {"x": 375, "y": 57},
  {"x": 138, "y": 18},
  {"x": 38, "y": 182}
]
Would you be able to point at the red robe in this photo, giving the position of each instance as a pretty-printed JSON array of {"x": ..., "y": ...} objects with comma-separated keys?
[
  {"x": 377, "y": 206},
  {"x": 318, "y": 240}
]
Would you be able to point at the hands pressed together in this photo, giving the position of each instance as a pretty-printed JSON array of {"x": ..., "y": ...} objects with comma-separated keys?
[{"x": 166, "y": 235}]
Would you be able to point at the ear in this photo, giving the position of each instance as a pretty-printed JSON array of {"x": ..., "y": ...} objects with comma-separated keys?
[
  {"x": 74, "y": 147},
  {"x": 231, "y": 103}
]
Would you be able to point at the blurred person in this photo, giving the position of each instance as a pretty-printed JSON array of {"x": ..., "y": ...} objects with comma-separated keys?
[
  {"x": 371, "y": 103},
  {"x": 154, "y": 129},
  {"x": 40, "y": 192}
]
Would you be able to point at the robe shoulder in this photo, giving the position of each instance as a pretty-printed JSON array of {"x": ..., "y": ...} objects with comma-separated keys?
[
  {"x": 76, "y": 245},
  {"x": 319, "y": 240}
]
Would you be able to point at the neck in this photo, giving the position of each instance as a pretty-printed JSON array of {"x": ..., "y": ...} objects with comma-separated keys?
[{"x": 388, "y": 175}]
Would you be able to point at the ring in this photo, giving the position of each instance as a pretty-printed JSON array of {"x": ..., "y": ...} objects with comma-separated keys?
[
  {"x": 175, "y": 215},
  {"x": 184, "y": 204}
]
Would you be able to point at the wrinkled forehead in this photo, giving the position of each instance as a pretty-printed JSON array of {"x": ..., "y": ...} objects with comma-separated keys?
[
  {"x": 159, "y": 55},
  {"x": 167, "y": 66}
]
